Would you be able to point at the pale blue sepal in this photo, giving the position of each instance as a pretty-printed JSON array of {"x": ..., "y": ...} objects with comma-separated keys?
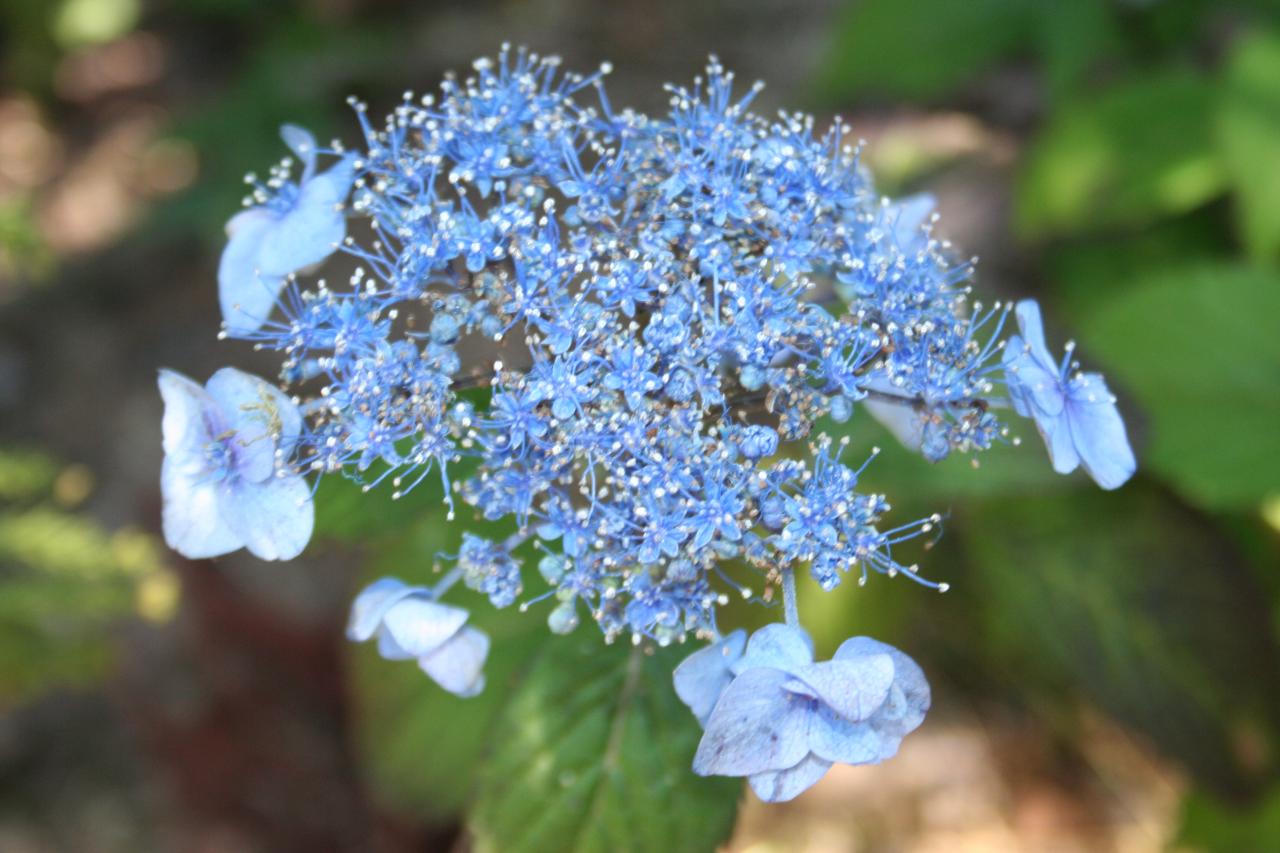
[
  {"x": 263, "y": 418},
  {"x": 854, "y": 689},
  {"x": 313, "y": 227},
  {"x": 275, "y": 518},
  {"x": 702, "y": 676},
  {"x": 908, "y": 216},
  {"x": 776, "y": 645},
  {"x": 753, "y": 728},
  {"x": 419, "y": 625},
  {"x": 458, "y": 665},
  {"x": 783, "y": 785},
  {"x": 191, "y": 518},
  {"x": 1098, "y": 432},
  {"x": 372, "y": 603},
  {"x": 246, "y": 294}
]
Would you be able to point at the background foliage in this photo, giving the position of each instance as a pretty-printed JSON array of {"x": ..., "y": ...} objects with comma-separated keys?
[{"x": 1118, "y": 160}]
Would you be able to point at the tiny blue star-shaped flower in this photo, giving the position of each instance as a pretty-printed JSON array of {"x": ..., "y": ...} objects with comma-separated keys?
[
  {"x": 1075, "y": 414},
  {"x": 223, "y": 482},
  {"x": 409, "y": 624},
  {"x": 299, "y": 226},
  {"x": 782, "y": 720}
]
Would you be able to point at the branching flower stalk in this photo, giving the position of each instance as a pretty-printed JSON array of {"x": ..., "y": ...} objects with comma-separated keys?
[{"x": 670, "y": 306}]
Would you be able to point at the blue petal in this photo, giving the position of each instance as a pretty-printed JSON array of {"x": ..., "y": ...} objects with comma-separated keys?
[
  {"x": 1056, "y": 432},
  {"x": 776, "y": 645},
  {"x": 458, "y": 665},
  {"x": 834, "y": 738},
  {"x": 702, "y": 676},
  {"x": 1036, "y": 392},
  {"x": 191, "y": 419},
  {"x": 419, "y": 625},
  {"x": 853, "y": 688},
  {"x": 1032, "y": 328},
  {"x": 784, "y": 785},
  {"x": 192, "y": 517},
  {"x": 756, "y": 727},
  {"x": 908, "y": 215},
  {"x": 245, "y": 294},
  {"x": 372, "y": 604},
  {"x": 274, "y": 518},
  {"x": 262, "y": 417},
  {"x": 303, "y": 144},
  {"x": 313, "y": 228},
  {"x": 910, "y": 698},
  {"x": 1097, "y": 432}
]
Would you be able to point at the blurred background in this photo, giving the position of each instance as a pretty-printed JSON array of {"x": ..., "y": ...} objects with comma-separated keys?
[{"x": 1105, "y": 667}]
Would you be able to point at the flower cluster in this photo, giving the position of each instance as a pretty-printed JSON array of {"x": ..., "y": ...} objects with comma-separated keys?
[{"x": 632, "y": 325}]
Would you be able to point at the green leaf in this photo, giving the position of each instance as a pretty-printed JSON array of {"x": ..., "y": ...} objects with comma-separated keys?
[
  {"x": 1195, "y": 349},
  {"x": 593, "y": 753},
  {"x": 1248, "y": 133},
  {"x": 922, "y": 48},
  {"x": 1137, "y": 152},
  {"x": 1136, "y": 603},
  {"x": 1074, "y": 36},
  {"x": 1209, "y": 824}
]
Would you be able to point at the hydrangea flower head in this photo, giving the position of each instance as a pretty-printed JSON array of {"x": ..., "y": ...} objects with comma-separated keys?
[
  {"x": 632, "y": 330},
  {"x": 225, "y": 481},
  {"x": 1075, "y": 412}
]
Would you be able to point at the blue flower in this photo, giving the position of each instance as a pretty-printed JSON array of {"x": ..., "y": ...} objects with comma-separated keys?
[
  {"x": 297, "y": 225},
  {"x": 409, "y": 624},
  {"x": 702, "y": 676},
  {"x": 225, "y": 481},
  {"x": 1075, "y": 413},
  {"x": 783, "y": 720}
]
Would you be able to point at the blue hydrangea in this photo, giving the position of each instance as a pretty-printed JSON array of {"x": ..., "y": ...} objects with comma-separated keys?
[
  {"x": 410, "y": 625},
  {"x": 773, "y": 715},
  {"x": 630, "y": 329},
  {"x": 1074, "y": 411},
  {"x": 225, "y": 481}
]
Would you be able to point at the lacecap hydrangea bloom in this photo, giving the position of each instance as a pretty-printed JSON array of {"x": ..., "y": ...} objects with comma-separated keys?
[{"x": 631, "y": 325}]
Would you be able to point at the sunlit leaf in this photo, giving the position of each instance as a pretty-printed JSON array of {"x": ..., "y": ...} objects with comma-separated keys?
[
  {"x": 1194, "y": 349},
  {"x": 1138, "y": 151},
  {"x": 1248, "y": 132},
  {"x": 593, "y": 753}
]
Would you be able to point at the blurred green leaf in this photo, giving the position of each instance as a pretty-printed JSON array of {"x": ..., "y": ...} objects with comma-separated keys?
[
  {"x": 1248, "y": 132},
  {"x": 1137, "y": 152},
  {"x": 1137, "y": 604},
  {"x": 593, "y": 754},
  {"x": 1074, "y": 36},
  {"x": 423, "y": 746},
  {"x": 1194, "y": 347},
  {"x": 1209, "y": 824},
  {"x": 922, "y": 48}
]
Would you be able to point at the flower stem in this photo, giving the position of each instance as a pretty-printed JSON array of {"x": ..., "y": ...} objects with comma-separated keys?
[
  {"x": 451, "y": 577},
  {"x": 789, "y": 598}
]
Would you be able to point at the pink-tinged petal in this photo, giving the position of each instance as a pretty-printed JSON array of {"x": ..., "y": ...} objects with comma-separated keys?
[
  {"x": 192, "y": 518},
  {"x": 853, "y": 688},
  {"x": 274, "y": 518},
  {"x": 372, "y": 603},
  {"x": 458, "y": 665},
  {"x": 315, "y": 225},
  {"x": 1097, "y": 432},
  {"x": 784, "y": 785},
  {"x": 756, "y": 727},
  {"x": 419, "y": 625},
  {"x": 702, "y": 676},
  {"x": 778, "y": 646}
]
